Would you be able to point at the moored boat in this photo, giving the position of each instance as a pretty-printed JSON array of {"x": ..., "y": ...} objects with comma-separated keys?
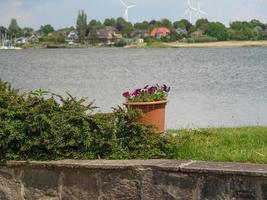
[{"x": 55, "y": 46}]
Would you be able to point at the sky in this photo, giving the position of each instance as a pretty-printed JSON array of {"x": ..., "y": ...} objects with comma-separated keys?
[{"x": 63, "y": 13}]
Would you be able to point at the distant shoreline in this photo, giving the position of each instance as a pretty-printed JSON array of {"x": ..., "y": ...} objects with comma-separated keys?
[
  {"x": 223, "y": 44},
  {"x": 155, "y": 45}
]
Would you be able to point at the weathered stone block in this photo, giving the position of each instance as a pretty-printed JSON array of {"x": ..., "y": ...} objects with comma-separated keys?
[
  {"x": 132, "y": 180},
  {"x": 40, "y": 184},
  {"x": 119, "y": 185},
  {"x": 9, "y": 186},
  {"x": 242, "y": 188},
  {"x": 79, "y": 184},
  {"x": 173, "y": 185},
  {"x": 264, "y": 191},
  {"x": 214, "y": 187}
]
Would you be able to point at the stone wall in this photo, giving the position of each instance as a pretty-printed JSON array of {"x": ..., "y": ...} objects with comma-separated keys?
[{"x": 132, "y": 180}]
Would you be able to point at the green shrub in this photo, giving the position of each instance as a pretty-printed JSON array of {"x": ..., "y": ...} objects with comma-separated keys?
[
  {"x": 173, "y": 37},
  {"x": 203, "y": 38},
  {"x": 217, "y": 30},
  {"x": 50, "y": 128},
  {"x": 150, "y": 40},
  {"x": 54, "y": 38},
  {"x": 120, "y": 43}
]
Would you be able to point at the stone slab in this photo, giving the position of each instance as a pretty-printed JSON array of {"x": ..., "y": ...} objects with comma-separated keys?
[
  {"x": 225, "y": 168},
  {"x": 173, "y": 165}
]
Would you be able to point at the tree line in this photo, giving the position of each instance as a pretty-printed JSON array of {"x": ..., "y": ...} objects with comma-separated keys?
[{"x": 237, "y": 30}]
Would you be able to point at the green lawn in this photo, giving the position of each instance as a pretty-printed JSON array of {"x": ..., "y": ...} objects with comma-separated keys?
[{"x": 247, "y": 144}]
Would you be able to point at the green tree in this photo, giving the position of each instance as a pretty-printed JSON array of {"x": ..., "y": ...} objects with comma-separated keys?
[
  {"x": 124, "y": 27},
  {"x": 256, "y": 23},
  {"x": 142, "y": 25},
  {"x": 93, "y": 37},
  {"x": 154, "y": 23},
  {"x": 110, "y": 22},
  {"x": 236, "y": 35},
  {"x": 242, "y": 30},
  {"x": 241, "y": 25},
  {"x": 178, "y": 24},
  {"x": 94, "y": 24},
  {"x": 257, "y": 33},
  {"x": 184, "y": 24},
  {"x": 202, "y": 24},
  {"x": 217, "y": 30},
  {"x": 172, "y": 37},
  {"x": 166, "y": 23},
  {"x": 27, "y": 31},
  {"x": 14, "y": 28},
  {"x": 81, "y": 26},
  {"x": 46, "y": 29}
]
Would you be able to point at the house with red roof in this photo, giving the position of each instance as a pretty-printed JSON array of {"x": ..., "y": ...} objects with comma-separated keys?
[{"x": 160, "y": 32}]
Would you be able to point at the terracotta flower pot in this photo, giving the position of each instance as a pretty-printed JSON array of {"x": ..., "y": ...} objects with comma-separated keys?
[{"x": 153, "y": 113}]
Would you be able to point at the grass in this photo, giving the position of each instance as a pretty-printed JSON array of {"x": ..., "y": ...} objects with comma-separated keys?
[
  {"x": 157, "y": 45},
  {"x": 247, "y": 144}
]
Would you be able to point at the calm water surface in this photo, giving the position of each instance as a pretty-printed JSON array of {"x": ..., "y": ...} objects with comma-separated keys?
[{"x": 210, "y": 87}]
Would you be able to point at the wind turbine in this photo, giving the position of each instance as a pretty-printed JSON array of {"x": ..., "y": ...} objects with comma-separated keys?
[
  {"x": 199, "y": 11},
  {"x": 126, "y": 14},
  {"x": 190, "y": 10}
]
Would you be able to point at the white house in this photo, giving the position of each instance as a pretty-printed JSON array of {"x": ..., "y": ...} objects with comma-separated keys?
[
  {"x": 26, "y": 40},
  {"x": 72, "y": 37},
  {"x": 22, "y": 40}
]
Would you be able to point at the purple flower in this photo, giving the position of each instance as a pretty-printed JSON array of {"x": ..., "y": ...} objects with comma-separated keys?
[
  {"x": 136, "y": 92},
  {"x": 166, "y": 88},
  {"x": 152, "y": 89},
  {"x": 126, "y": 94},
  {"x": 148, "y": 93}
]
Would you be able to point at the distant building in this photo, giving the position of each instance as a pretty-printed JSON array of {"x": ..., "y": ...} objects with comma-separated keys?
[
  {"x": 26, "y": 40},
  {"x": 160, "y": 32},
  {"x": 105, "y": 36},
  {"x": 22, "y": 40},
  {"x": 139, "y": 41},
  {"x": 140, "y": 34},
  {"x": 197, "y": 33},
  {"x": 181, "y": 31},
  {"x": 72, "y": 37},
  {"x": 33, "y": 39},
  {"x": 39, "y": 35}
]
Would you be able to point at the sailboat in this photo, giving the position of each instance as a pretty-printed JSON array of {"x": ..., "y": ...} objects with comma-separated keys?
[{"x": 7, "y": 44}]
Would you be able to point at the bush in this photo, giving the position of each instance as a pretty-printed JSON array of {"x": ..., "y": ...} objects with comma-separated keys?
[
  {"x": 120, "y": 43},
  {"x": 54, "y": 38},
  {"x": 150, "y": 40},
  {"x": 173, "y": 37},
  {"x": 52, "y": 128},
  {"x": 217, "y": 30}
]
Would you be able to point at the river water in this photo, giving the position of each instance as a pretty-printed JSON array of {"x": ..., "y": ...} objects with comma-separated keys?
[{"x": 210, "y": 87}]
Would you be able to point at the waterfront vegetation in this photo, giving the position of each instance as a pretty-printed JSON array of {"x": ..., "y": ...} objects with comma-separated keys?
[
  {"x": 43, "y": 126},
  {"x": 128, "y": 34}
]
